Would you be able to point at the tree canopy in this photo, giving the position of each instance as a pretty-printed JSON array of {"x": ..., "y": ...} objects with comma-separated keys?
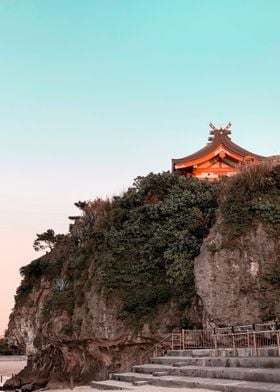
[{"x": 47, "y": 240}]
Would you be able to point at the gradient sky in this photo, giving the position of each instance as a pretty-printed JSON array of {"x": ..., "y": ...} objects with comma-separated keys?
[{"x": 96, "y": 92}]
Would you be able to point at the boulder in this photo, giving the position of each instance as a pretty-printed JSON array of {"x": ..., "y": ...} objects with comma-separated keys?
[
  {"x": 12, "y": 384},
  {"x": 27, "y": 387}
]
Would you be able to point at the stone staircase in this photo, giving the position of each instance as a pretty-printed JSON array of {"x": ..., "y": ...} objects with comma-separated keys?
[{"x": 231, "y": 371}]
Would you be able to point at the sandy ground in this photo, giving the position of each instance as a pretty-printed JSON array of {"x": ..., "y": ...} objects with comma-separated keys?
[{"x": 9, "y": 365}]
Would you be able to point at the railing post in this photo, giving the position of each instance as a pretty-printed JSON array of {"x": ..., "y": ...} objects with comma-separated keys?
[
  {"x": 255, "y": 343},
  {"x": 183, "y": 339},
  {"x": 215, "y": 345},
  {"x": 233, "y": 345},
  {"x": 278, "y": 342},
  {"x": 248, "y": 339}
]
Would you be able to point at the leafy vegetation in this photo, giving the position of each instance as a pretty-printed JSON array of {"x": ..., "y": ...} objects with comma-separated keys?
[
  {"x": 141, "y": 245},
  {"x": 47, "y": 240},
  {"x": 31, "y": 274},
  {"x": 147, "y": 248},
  {"x": 250, "y": 197},
  {"x": 59, "y": 300}
]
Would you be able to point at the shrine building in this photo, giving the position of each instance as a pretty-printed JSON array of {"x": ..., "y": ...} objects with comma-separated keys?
[{"x": 220, "y": 157}]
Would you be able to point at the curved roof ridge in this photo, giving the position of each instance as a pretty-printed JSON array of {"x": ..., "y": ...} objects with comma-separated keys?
[
  {"x": 242, "y": 151},
  {"x": 222, "y": 138}
]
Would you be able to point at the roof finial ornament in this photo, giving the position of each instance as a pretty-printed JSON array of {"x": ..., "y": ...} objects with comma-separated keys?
[
  {"x": 221, "y": 131},
  {"x": 211, "y": 125},
  {"x": 228, "y": 126}
]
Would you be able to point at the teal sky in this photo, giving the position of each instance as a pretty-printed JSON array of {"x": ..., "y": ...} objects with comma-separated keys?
[{"x": 94, "y": 93}]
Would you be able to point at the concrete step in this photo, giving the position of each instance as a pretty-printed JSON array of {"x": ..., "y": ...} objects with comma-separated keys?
[
  {"x": 111, "y": 385},
  {"x": 254, "y": 362},
  {"x": 191, "y": 353},
  {"x": 140, "y": 383},
  {"x": 227, "y": 352},
  {"x": 162, "y": 373},
  {"x": 243, "y": 374},
  {"x": 223, "y": 385}
]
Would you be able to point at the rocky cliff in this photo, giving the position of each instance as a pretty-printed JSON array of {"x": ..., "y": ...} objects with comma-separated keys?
[
  {"x": 238, "y": 269},
  {"x": 171, "y": 252},
  {"x": 235, "y": 284},
  {"x": 86, "y": 345}
]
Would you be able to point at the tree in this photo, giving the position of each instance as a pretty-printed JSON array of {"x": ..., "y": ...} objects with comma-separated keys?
[
  {"x": 47, "y": 240},
  {"x": 82, "y": 205}
]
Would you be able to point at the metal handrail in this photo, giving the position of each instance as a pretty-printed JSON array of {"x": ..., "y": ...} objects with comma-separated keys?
[
  {"x": 156, "y": 347},
  {"x": 136, "y": 358},
  {"x": 203, "y": 338}
]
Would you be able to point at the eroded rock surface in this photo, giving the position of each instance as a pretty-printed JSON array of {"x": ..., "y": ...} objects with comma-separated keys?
[
  {"x": 98, "y": 344},
  {"x": 233, "y": 277}
]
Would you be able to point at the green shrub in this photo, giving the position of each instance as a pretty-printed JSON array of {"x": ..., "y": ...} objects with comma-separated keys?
[
  {"x": 142, "y": 301},
  {"x": 156, "y": 230},
  {"x": 32, "y": 273},
  {"x": 59, "y": 301},
  {"x": 267, "y": 210},
  {"x": 250, "y": 197}
]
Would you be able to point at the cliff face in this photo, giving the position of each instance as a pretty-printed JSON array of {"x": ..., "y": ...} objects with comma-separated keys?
[
  {"x": 86, "y": 345},
  {"x": 115, "y": 284},
  {"x": 235, "y": 281},
  {"x": 146, "y": 264},
  {"x": 238, "y": 269}
]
